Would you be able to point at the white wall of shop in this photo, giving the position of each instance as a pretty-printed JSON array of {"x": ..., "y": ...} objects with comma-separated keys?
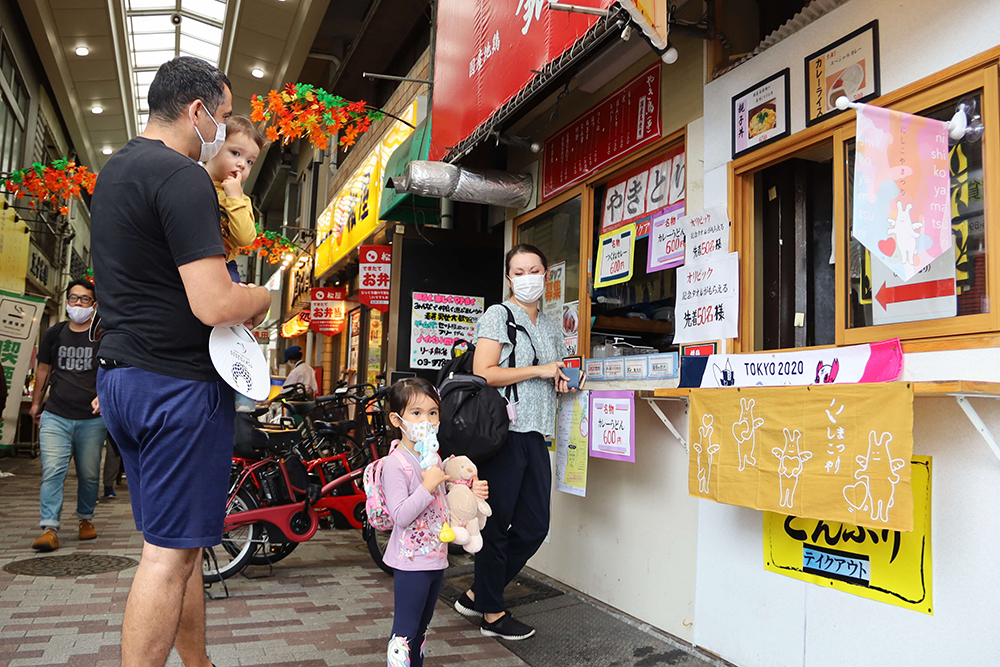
[
  {"x": 756, "y": 618},
  {"x": 630, "y": 542}
]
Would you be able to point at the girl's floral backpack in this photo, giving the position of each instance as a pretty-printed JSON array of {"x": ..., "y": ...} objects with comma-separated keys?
[{"x": 375, "y": 504}]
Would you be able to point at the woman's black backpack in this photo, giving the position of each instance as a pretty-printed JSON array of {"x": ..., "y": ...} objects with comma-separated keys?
[{"x": 474, "y": 419}]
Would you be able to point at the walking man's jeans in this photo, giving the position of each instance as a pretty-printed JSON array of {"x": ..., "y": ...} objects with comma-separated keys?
[{"x": 60, "y": 439}]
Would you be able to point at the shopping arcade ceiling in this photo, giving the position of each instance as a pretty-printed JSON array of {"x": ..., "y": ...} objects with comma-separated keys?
[{"x": 124, "y": 39}]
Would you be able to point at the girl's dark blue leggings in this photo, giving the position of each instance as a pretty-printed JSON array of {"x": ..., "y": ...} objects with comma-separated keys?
[{"x": 416, "y": 595}]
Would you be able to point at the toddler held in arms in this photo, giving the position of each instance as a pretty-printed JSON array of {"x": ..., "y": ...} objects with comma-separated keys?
[{"x": 228, "y": 170}]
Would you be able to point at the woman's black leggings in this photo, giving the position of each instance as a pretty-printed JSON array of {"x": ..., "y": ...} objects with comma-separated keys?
[{"x": 520, "y": 477}]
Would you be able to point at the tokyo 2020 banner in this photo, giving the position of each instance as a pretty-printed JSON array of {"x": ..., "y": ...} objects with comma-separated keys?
[{"x": 485, "y": 53}]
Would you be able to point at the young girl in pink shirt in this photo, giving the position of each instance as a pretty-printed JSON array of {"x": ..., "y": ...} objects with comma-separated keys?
[{"x": 413, "y": 483}]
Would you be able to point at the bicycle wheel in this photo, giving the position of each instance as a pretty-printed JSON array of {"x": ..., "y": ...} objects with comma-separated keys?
[
  {"x": 238, "y": 544},
  {"x": 377, "y": 541}
]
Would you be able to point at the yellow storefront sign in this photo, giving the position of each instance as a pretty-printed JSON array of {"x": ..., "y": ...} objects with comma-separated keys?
[
  {"x": 883, "y": 565},
  {"x": 352, "y": 215},
  {"x": 13, "y": 249},
  {"x": 833, "y": 452}
]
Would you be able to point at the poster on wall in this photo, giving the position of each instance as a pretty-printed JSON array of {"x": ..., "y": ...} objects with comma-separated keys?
[
  {"x": 572, "y": 440},
  {"x": 886, "y": 566},
  {"x": 852, "y": 364},
  {"x": 849, "y": 67},
  {"x": 706, "y": 235},
  {"x": 14, "y": 244},
  {"x": 655, "y": 188},
  {"x": 708, "y": 300},
  {"x": 622, "y": 122},
  {"x": 327, "y": 310},
  {"x": 834, "y": 453},
  {"x": 612, "y": 425},
  {"x": 901, "y": 189},
  {"x": 666, "y": 241},
  {"x": 20, "y": 317},
  {"x": 615, "y": 257},
  {"x": 761, "y": 114},
  {"x": 555, "y": 292},
  {"x": 438, "y": 322},
  {"x": 374, "y": 270},
  {"x": 571, "y": 326}
]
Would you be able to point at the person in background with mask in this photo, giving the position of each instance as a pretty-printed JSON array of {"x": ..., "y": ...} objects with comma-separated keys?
[
  {"x": 301, "y": 373},
  {"x": 70, "y": 425},
  {"x": 519, "y": 475}
]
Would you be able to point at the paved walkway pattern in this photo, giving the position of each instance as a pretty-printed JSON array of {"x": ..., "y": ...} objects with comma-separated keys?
[{"x": 326, "y": 604}]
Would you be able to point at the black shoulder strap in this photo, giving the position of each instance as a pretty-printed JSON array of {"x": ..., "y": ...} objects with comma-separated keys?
[{"x": 512, "y": 328}]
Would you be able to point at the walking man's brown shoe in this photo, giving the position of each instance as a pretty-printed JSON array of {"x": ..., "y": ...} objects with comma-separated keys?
[
  {"x": 47, "y": 542},
  {"x": 87, "y": 530}
]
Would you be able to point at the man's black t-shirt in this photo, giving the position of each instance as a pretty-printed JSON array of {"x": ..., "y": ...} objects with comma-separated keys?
[
  {"x": 73, "y": 357},
  {"x": 153, "y": 210}
]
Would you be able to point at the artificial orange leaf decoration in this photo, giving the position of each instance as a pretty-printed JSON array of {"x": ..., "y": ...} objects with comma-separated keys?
[
  {"x": 56, "y": 183},
  {"x": 301, "y": 110}
]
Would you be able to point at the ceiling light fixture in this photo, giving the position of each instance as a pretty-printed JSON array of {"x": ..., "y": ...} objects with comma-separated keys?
[
  {"x": 82, "y": 51},
  {"x": 97, "y": 109},
  {"x": 257, "y": 73},
  {"x": 108, "y": 151}
]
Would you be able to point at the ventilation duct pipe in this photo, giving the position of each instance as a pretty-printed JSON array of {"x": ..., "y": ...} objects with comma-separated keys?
[{"x": 477, "y": 186}]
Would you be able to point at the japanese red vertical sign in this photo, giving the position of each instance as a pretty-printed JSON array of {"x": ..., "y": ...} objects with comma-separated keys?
[
  {"x": 373, "y": 276},
  {"x": 489, "y": 50},
  {"x": 327, "y": 310},
  {"x": 625, "y": 120}
]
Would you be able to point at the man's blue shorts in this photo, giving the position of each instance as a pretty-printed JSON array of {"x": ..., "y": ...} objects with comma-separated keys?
[{"x": 176, "y": 441}]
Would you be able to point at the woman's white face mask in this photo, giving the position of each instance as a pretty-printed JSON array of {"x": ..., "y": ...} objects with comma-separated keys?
[{"x": 528, "y": 288}]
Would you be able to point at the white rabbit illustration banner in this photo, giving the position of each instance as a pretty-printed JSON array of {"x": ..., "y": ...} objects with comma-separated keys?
[
  {"x": 901, "y": 185},
  {"x": 835, "y": 453}
]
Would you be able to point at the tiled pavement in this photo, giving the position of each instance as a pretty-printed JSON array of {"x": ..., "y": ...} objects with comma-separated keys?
[{"x": 325, "y": 604}]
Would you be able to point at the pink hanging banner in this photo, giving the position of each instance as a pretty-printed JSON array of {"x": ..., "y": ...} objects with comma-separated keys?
[{"x": 901, "y": 188}]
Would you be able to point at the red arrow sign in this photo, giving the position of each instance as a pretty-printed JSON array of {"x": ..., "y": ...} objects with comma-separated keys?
[{"x": 915, "y": 292}]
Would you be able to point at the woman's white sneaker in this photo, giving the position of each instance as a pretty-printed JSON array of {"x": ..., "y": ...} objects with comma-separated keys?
[{"x": 466, "y": 607}]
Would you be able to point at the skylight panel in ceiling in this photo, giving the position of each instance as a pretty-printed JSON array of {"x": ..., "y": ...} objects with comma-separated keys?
[{"x": 155, "y": 36}]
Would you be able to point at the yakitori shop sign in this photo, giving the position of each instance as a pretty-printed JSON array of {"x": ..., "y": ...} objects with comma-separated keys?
[{"x": 486, "y": 52}]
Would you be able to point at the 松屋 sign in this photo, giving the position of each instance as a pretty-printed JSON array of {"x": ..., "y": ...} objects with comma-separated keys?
[
  {"x": 375, "y": 262},
  {"x": 327, "y": 312}
]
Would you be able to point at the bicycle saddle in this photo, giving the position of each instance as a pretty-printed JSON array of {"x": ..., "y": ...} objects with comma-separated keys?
[
  {"x": 275, "y": 439},
  {"x": 334, "y": 429},
  {"x": 301, "y": 407}
]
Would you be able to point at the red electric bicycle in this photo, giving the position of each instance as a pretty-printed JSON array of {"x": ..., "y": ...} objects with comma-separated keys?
[{"x": 284, "y": 480}]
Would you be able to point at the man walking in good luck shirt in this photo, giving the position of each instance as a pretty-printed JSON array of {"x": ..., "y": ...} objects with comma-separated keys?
[{"x": 69, "y": 423}]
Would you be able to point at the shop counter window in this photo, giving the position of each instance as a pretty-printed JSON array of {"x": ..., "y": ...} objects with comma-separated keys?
[
  {"x": 874, "y": 294},
  {"x": 633, "y": 317}
]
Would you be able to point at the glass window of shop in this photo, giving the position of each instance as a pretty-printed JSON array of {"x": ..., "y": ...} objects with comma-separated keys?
[
  {"x": 637, "y": 316},
  {"x": 805, "y": 281},
  {"x": 556, "y": 232},
  {"x": 632, "y": 317}
]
